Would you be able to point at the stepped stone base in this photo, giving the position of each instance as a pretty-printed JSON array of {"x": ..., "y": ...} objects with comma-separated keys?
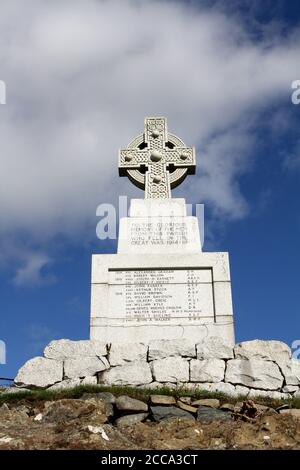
[{"x": 250, "y": 368}]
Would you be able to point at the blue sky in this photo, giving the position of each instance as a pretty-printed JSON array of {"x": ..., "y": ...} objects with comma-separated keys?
[{"x": 80, "y": 79}]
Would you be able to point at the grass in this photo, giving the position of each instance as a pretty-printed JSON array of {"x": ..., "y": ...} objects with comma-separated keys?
[{"x": 139, "y": 393}]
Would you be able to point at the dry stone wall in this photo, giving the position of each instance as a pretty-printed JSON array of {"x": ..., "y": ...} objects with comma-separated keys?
[{"x": 249, "y": 368}]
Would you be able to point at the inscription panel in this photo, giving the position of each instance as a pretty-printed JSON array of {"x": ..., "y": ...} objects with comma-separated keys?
[
  {"x": 161, "y": 295},
  {"x": 158, "y": 234}
]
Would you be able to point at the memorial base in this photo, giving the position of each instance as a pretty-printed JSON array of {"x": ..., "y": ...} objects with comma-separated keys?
[{"x": 141, "y": 298}]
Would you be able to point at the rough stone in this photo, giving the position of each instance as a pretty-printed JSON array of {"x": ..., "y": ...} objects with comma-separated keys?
[
  {"x": 211, "y": 402},
  {"x": 254, "y": 373},
  {"x": 120, "y": 353},
  {"x": 84, "y": 366},
  {"x": 187, "y": 400},
  {"x": 130, "y": 420},
  {"x": 220, "y": 387},
  {"x": 266, "y": 350},
  {"x": 164, "y": 412},
  {"x": 242, "y": 390},
  {"x": 291, "y": 371},
  {"x": 214, "y": 347},
  {"x": 11, "y": 416},
  {"x": 13, "y": 390},
  {"x": 125, "y": 403},
  {"x": 89, "y": 380},
  {"x": 23, "y": 408},
  {"x": 133, "y": 373},
  {"x": 107, "y": 397},
  {"x": 65, "y": 384},
  {"x": 64, "y": 348},
  {"x": 268, "y": 394},
  {"x": 170, "y": 369},
  {"x": 297, "y": 394},
  {"x": 158, "y": 385},
  {"x": 186, "y": 407},
  {"x": 227, "y": 407},
  {"x": 206, "y": 414},
  {"x": 160, "y": 349},
  {"x": 290, "y": 388},
  {"x": 207, "y": 370},
  {"x": 40, "y": 372},
  {"x": 61, "y": 411},
  {"x": 162, "y": 400}
]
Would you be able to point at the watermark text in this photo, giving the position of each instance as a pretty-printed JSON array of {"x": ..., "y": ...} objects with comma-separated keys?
[
  {"x": 295, "y": 97},
  {"x": 2, "y": 92},
  {"x": 2, "y": 352}
]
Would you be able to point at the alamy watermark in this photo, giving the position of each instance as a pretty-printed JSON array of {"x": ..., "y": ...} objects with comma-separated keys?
[
  {"x": 2, "y": 352},
  {"x": 162, "y": 221},
  {"x": 2, "y": 92},
  {"x": 295, "y": 97},
  {"x": 296, "y": 349}
]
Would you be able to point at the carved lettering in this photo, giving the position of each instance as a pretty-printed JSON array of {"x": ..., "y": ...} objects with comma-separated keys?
[{"x": 160, "y": 295}]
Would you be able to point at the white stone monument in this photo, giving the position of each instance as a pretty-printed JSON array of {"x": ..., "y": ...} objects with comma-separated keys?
[{"x": 160, "y": 285}]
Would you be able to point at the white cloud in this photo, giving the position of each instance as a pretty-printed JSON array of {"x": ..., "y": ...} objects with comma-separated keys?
[
  {"x": 30, "y": 271},
  {"x": 39, "y": 336},
  {"x": 27, "y": 265},
  {"x": 80, "y": 78},
  {"x": 292, "y": 161}
]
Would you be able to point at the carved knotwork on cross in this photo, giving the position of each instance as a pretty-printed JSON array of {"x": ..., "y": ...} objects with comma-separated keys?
[{"x": 157, "y": 161}]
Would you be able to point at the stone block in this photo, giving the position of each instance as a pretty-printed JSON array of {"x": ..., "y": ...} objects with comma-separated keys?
[
  {"x": 145, "y": 235},
  {"x": 125, "y": 403},
  {"x": 40, "y": 372},
  {"x": 120, "y": 354},
  {"x": 207, "y": 370},
  {"x": 85, "y": 366},
  {"x": 208, "y": 415},
  {"x": 291, "y": 371},
  {"x": 64, "y": 348},
  {"x": 254, "y": 373},
  {"x": 164, "y": 400},
  {"x": 214, "y": 347},
  {"x": 275, "y": 395},
  {"x": 210, "y": 402},
  {"x": 160, "y": 413},
  {"x": 89, "y": 380},
  {"x": 129, "y": 289},
  {"x": 174, "y": 207},
  {"x": 290, "y": 388},
  {"x": 130, "y": 420},
  {"x": 159, "y": 349},
  {"x": 242, "y": 390},
  {"x": 170, "y": 369},
  {"x": 267, "y": 350},
  {"x": 133, "y": 373},
  {"x": 65, "y": 384}
]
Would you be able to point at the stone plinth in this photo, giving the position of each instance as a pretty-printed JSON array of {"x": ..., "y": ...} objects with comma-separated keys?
[
  {"x": 161, "y": 297},
  {"x": 160, "y": 285},
  {"x": 158, "y": 226}
]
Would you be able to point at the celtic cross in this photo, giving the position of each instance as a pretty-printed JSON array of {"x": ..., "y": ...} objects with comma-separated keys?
[{"x": 157, "y": 161}]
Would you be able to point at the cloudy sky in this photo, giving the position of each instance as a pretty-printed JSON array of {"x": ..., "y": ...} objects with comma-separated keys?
[{"x": 81, "y": 75}]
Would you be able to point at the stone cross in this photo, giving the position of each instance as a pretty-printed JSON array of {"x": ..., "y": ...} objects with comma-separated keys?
[{"x": 157, "y": 161}]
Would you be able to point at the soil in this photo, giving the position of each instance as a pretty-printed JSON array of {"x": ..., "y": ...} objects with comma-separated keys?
[{"x": 85, "y": 424}]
